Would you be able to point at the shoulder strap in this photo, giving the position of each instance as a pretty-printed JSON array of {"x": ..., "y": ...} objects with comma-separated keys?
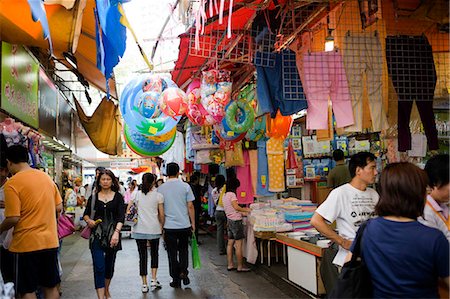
[
  {"x": 93, "y": 199},
  {"x": 358, "y": 241},
  {"x": 447, "y": 222}
]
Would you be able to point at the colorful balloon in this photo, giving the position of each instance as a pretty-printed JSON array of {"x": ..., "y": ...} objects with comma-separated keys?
[
  {"x": 144, "y": 145},
  {"x": 239, "y": 116},
  {"x": 140, "y": 107},
  {"x": 196, "y": 113},
  {"x": 173, "y": 101}
]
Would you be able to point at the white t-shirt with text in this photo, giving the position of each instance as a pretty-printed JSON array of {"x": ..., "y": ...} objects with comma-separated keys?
[{"x": 349, "y": 207}]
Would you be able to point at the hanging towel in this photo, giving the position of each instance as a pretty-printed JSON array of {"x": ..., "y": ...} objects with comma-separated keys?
[{"x": 245, "y": 191}]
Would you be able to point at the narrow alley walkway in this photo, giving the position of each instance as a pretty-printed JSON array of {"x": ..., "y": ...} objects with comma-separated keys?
[{"x": 211, "y": 281}]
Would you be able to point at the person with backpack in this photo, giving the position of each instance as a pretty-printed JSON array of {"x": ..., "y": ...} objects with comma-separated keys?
[{"x": 150, "y": 221}]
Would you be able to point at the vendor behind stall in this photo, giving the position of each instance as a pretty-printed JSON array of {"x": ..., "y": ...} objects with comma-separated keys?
[{"x": 340, "y": 174}]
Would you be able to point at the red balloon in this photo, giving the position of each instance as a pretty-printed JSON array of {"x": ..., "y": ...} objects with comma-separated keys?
[{"x": 173, "y": 101}]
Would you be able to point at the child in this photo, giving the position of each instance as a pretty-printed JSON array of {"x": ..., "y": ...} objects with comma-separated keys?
[{"x": 235, "y": 226}]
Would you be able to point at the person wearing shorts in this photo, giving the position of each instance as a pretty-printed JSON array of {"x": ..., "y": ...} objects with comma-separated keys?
[
  {"x": 235, "y": 226},
  {"x": 32, "y": 201}
]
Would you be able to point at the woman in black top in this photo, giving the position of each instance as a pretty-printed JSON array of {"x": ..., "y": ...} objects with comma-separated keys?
[{"x": 105, "y": 236}]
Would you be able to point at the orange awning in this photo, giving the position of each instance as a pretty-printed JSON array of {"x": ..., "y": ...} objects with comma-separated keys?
[{"x": 72, "y": 30}]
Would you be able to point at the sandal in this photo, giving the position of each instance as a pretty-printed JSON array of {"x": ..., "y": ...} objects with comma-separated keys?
[
  {"x": 231, "y": 269},
  {"x": 243, "y": 270}
]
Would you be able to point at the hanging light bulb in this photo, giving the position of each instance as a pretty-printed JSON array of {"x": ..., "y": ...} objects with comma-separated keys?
[{"x": 329, "y": 42}]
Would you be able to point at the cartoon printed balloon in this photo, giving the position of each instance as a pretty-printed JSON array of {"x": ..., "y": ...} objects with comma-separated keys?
[
  {"x": 173, "y": 101},
  {"x": 148, "y": 103},
  {"x": 140, "y": 105}
]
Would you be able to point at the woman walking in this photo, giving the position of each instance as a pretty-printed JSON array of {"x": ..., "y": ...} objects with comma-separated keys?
[
  {"x": 150, "y": 207},
  {"x": 108, "y": 218}
]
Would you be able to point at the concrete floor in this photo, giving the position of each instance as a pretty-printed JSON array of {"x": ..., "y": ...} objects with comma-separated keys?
[{"x": 211, "y": 281}]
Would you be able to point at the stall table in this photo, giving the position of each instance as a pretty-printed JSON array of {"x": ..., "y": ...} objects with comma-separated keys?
[
  {"x": 303, "y": 262},
  {"x": 269, "y": 237}
]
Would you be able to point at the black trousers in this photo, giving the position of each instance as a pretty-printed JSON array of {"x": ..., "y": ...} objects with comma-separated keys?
[
  {"x": 177, "y": 242},
  {"x": 143, "y": 255},
  {"x": 7, "y": 264},
  {"x": 411, "y": 67}
]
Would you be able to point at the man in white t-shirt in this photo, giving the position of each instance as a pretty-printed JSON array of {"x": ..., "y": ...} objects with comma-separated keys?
[{"x": 349, "y": 205}]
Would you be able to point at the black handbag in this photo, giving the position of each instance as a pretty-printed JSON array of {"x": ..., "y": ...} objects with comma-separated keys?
[{"x": 354, "y": 280}]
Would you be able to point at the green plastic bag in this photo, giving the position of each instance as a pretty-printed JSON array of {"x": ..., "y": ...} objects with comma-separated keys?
[{"x": 196, "y": 262}]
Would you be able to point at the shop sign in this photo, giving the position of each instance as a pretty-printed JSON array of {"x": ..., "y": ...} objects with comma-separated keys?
[
  {"x": 123, "y": 164},
  {"x": 19, "y": 76},
  {"x": 64, "y": 121},
  {"x": 48, "y": 96}
]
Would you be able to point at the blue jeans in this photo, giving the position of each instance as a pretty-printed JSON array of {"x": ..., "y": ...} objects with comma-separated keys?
[{"x": 103, "y": 262}]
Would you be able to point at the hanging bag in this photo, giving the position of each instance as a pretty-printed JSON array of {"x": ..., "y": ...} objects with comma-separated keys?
[
  {"x": 86, "y": 232},
  {"x": 66, "y": 227},
  {"x": 354, "y": 280},
  {"x": 196, "y": 262},
  {"x": 131, "y": 217}
]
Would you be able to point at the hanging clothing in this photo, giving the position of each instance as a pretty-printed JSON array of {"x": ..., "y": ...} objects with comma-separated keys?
[
  {"x": 324, "y": 77},
  {"x": 245, "y": 191},
  {"x": 262, "y": 187},
  {"x": 253, "y": 156},
  {"x": 363, "y": 54},
  {"x": 275, "y": 159},
  {"x": 411, "y": 67},
  {"x": 271, "y": 86},
  {"x": 442, "y": 63},
  {"x": 176, "y": 151}
]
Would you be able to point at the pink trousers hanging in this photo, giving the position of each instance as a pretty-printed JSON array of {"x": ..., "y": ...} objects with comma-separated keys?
[{"x": 324, "y": 77}]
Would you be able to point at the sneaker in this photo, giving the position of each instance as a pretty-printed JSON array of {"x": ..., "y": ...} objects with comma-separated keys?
[
  {"x": 175, "y": 284},
  {"x": 155, "y": 285},
  {"x": 144, "y": 288}
]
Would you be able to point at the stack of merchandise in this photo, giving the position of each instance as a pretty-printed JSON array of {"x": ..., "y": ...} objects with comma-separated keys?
[
  {"x": 267, "y": 219},
  {"x": 299, "y": 220},
  {"x": 282, "y": 215}
]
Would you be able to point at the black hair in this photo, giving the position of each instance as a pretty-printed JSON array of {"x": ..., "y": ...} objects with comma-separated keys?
[
  {"x": 195, "y": 177},
  {"x": 403, "y": 188},
  {"x": 172, "y": 169},
  {"x": 17, "y": 154},
  {"x": 220, "y": 181},
  {"x": 338, "y": 155},
  {"x": 233, "y": 184},
  {"x": 437, "y": 170},
  {"x": 100, "y": 169},
  {"x": 148, "y": 180},
  {"x": 115, "y": 183},
  {"x": 359, "y": 160}
]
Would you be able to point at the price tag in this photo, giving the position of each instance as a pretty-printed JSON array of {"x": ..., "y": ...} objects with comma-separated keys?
[
  {"x": 363, "y": 144},
  {"x": 152, "y": 130},
  {"x": 325, "y": 147},
  {"x": 263, "y": 181},
  {"x": 247, "y": 144},
  {"x": 243, "y": 194},
  {"x": 230, "y": 133}
]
